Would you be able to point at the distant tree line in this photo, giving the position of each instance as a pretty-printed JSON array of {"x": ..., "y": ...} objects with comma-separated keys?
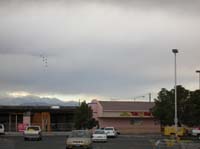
[{"x": 188, "y": 106}]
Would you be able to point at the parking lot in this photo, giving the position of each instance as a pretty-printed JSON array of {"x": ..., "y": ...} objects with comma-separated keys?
[
  {"x": 58, "y": 142},
  {"x": 121, "y": 142}
]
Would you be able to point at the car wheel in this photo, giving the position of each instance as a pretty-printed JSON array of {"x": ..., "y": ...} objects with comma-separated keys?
[{"x": 25, "y": 139}]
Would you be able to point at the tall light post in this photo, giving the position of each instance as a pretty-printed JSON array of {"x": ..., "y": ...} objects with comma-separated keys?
[
  {"x": 198, "y": 71},
  {"x": 175, "y": 51}
]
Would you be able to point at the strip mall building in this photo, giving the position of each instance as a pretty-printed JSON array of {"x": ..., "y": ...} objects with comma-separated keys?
[
  {"x": 50, "y": 118},
  {"x": 127, "y": 117}
]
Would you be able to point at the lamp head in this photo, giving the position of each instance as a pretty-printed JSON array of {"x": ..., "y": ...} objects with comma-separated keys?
[
  {"x": 175, "y": 51},
  {"x": 197, "y": 71}
]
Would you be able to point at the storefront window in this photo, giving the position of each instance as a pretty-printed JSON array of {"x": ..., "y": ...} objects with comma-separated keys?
[{"x": 136, "y": 121}]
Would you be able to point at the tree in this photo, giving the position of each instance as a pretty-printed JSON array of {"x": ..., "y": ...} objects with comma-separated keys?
[
  {"x": 83, "y": 117},
  {"x": 164, "y": 105},
  {"x": 183, "y": 96},
  {"x": 192, "y": 110}
]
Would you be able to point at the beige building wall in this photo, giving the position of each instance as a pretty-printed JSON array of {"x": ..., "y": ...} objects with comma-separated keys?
[
  {"x": 132, "y": 121},
  {"x": 131, "y": 125}
]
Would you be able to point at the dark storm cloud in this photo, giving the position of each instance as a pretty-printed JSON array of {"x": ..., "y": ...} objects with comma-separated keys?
[{"x": 101, "y": 47}]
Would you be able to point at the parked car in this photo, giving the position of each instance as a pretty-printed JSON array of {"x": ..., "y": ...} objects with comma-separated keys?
[
  {"x": 33, "y": 132},
  {"x": 99, "y": 135},
  {"x": 2, "y": 129},
  {"x": 79, "y": 138},
  {"x": 110, "y": 131},
  {"x": 196, "y": 132}
]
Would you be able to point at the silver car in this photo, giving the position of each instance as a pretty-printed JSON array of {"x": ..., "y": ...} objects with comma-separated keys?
[{"x": 79, "y": 138}]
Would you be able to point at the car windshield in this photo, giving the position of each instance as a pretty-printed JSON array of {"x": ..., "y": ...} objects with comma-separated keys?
[
  {"x": 33, "y": 128},
  {"x": 108, "y": 128},
  {"x": 99, "y": 132},
  {"x": 79, "y": 134}
]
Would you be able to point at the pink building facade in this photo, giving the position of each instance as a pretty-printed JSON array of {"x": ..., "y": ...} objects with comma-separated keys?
[{"x": 127, "y": 117}]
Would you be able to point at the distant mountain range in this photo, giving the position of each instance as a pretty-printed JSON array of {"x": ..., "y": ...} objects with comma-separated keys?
[{"x": 35, "y": 101}]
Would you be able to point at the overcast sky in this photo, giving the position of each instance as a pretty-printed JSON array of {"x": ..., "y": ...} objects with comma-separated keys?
[{"x": 97, "y": 48}]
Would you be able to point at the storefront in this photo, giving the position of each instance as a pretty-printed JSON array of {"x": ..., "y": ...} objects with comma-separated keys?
[
  {"x": 50, "y": 118},
  {"x": 128, "y": 117}
]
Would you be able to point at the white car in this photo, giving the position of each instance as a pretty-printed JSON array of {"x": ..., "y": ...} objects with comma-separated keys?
[
  {"x": 33, "y": 132},
  {"x": 196, "y": 132},
  {"x": 2, "y": 129},
  {"x": 110, "y": 131},
  {"x": 99, "y": 136}
]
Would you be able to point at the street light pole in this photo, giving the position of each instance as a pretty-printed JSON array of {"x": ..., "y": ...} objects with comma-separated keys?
[
  {"x": 198, "y": 71},
  {"x": 175, "y": 51},
  {"x": 138, "y": 97}
]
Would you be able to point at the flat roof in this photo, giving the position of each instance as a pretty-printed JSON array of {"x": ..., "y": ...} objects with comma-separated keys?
[
  {"x": 36, "y": 108},
  {"x": 126, "y": 106}
]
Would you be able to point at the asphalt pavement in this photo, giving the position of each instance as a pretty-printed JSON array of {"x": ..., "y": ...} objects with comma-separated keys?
[
  {"x": 121, "y": 142},
  {"x": 58, "y": 142}
]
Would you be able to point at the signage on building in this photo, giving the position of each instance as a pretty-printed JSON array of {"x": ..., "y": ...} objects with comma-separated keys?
[
  {"x": 21, "y": 127},
  {"x": 126, "y": 114},
  {"x": 27, "y": 120},
  {"x": 135, "y": 114}
]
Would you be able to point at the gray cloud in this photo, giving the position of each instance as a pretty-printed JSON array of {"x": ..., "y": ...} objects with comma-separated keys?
[
  {"x": 105, "y": 48},
  {"x": 183, "y": 7}
]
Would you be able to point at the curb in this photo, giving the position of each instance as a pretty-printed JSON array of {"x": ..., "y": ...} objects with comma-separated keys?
[
  {"x": 13, "y": 134},
  {"x": 65, "y": 133}
]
